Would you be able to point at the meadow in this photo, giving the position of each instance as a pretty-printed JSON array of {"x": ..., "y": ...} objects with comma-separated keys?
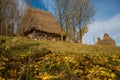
[{"x": 28, "y": 59}]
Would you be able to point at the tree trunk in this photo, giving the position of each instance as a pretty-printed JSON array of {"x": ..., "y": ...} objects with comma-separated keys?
[
  {"x": 61, "y": 37},
  {"x": 80, "y": 34},
  {"x": 67, "y": 28},
  {"x": 81, "y": 39},
  {"x": 61, "y": 28}
]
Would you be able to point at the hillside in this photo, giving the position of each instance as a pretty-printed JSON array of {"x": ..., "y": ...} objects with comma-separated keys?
[{"x": 27, "y": 59}]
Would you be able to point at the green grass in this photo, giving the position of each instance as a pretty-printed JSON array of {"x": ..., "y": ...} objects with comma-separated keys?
[
  {"x": 60, "y": 47},
  {"x": 53, "y": 60}
]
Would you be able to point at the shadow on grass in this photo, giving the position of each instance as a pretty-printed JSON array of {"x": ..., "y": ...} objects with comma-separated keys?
[{"x": 22, "y": 47}]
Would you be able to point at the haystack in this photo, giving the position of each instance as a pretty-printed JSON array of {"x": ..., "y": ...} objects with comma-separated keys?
[
  {"x": 107, "y": 40},
  {"x": 40, "y": 25}
]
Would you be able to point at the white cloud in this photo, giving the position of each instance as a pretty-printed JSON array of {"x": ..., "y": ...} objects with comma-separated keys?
[
  {"x": 22, "y": 3},
  {"x": 22, "y": 6},
  {"x": 50, "y": 5},
  {"x": 46, "y": 3},
  {"x": 97, "y": 29}
]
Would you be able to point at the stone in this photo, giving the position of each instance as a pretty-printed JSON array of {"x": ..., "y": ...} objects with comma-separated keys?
[{"x": 14, "y": 40}]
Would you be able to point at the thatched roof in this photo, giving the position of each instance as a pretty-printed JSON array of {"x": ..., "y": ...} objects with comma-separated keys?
[{"x": 39, "y": 20}]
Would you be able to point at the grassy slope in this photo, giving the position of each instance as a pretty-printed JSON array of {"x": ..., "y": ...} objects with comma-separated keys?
[{"x": 58, "y": 60}]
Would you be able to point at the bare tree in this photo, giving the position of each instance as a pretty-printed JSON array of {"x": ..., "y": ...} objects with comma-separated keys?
[
  {"x": 8, "y": 16},
  {"x": 60, "y": 14},
  {"x": 83, "y": 12},
  {"x": 63, "y": 11},
  {"x": 73, "y": 15},
  {"x": 22, "y": 10}
]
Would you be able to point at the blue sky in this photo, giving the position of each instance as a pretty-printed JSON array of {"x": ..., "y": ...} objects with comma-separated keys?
[
  {"x": 39, "y": 4},
  {"x": 105, "y": 9},
  {"x": 106, "y": 18}
]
